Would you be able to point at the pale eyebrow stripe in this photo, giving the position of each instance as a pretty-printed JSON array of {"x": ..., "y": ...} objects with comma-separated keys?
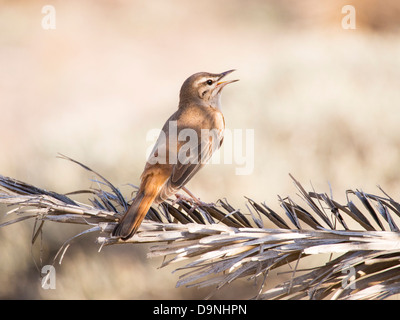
[{"x": 202, "y": 79}]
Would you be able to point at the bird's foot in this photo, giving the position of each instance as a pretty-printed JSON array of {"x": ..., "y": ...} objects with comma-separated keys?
[{"x": 194, "y": 201}]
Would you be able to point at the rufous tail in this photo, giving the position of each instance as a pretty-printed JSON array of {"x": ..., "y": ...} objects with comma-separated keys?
[{"x": 132, "y": 219}]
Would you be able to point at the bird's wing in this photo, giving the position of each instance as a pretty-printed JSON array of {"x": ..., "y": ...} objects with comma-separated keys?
[
  {"x": 196, "y": 157},
  {"x": 191, "y": 160}
]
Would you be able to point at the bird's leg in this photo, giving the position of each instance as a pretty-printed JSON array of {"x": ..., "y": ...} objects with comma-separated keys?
[
  {"x": 196, "y": 200},
  {"x": 192, "y": 199},
  {"x": 181, "y": 197}
]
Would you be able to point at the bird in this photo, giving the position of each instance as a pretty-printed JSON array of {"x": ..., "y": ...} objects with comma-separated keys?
[{"x": 186, "y": 142}]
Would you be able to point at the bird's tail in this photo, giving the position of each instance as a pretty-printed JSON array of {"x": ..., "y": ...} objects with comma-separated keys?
[{"x": 135, "y": 215}]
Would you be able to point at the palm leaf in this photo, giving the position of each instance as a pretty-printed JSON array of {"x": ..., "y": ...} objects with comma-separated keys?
[{"x": 220, "y": 243}]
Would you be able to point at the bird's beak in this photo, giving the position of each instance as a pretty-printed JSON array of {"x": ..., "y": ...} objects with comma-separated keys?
[{"x": 224, "y": 83}]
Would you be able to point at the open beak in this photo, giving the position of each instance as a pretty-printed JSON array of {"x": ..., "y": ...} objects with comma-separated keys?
[{"x": 224, "y": 83}]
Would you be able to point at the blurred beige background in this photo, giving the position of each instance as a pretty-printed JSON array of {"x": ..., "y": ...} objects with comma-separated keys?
[{"x": 323, "y": 102}]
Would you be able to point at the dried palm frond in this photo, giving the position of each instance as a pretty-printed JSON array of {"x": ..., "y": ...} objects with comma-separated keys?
[{"x": 221, "y": 244}]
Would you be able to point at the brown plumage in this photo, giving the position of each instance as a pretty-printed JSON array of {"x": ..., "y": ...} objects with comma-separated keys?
[{"x": 187, "y": 141}]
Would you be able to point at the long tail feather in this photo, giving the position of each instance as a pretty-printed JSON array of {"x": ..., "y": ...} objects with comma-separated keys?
[{"x": 134, "y": 216}]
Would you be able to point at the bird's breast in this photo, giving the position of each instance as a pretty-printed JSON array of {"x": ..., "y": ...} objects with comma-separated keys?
[{"x": 219, "y": 121}]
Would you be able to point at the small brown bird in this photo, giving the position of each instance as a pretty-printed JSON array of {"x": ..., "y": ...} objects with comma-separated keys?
[{"x": 186, "y": 142}]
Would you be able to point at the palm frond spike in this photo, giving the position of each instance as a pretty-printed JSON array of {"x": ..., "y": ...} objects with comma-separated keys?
[{"x": 221, "y": 243}]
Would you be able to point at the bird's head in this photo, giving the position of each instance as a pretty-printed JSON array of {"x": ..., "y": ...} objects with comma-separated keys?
[{"x": 204, "y": 88}]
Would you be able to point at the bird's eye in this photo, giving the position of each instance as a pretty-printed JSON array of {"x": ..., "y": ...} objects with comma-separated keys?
[{"x": 209, "y": 82}]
